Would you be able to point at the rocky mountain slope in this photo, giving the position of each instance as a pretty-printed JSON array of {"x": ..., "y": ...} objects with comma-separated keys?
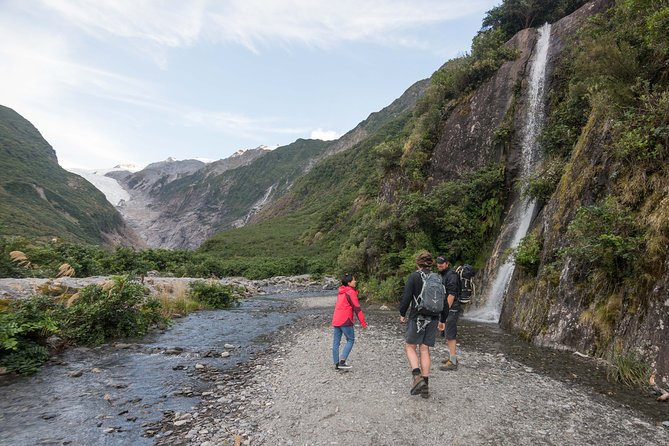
[
  {"x": 181, "y": 204},
  {"x": 38, "y": 198}
]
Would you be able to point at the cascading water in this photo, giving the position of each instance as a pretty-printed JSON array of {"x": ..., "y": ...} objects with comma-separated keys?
[{"x": 521, "y": 212}]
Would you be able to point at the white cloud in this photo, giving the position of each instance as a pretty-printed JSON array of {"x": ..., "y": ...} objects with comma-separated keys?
[
  {"x": 80, "y": 140},
  {"x": 171, "y": 23},
  {"x": 254, "y": 23},
  {"x": 325, "y": 135}
]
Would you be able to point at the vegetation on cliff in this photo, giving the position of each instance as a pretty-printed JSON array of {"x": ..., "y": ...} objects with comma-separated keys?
[{"x": 607, "y": 145}]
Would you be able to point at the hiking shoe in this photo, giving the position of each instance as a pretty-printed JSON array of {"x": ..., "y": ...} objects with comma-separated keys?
[
  {"x": 448, "y": 365},
  {"x": 417, "y": 384},
  {"x": 343, "y": 366},
  {"x": 425, "y": 391},
  {"x": 445, "y": 361}
]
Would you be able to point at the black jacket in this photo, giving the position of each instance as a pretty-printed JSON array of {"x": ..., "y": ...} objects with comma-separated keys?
[
  {"x": 451, "y": 282},
  {"x": 411, "y": 291}
]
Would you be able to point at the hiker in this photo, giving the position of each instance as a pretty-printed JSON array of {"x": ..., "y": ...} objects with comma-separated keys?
[
  {"x": 421, "y": 328},
  {"x": 342, "y": 320},
  {"x": 448, "y": 322}
]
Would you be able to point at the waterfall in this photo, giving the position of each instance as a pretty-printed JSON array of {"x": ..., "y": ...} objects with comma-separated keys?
[{"x": 519, "y": 217}]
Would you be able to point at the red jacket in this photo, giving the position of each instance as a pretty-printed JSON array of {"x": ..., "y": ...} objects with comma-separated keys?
[{"x": 347, "y": 304}]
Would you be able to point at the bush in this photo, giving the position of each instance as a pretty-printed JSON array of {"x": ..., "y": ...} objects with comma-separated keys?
[
  {"x": 605, "y": 237},
  {"x": 23, "y": 333},
  {"x": 527, "y": 253},
  {"x": 213, "y": 294},
  {"x": 387, "y": 290},
  {"x": 115, "y": 310}
]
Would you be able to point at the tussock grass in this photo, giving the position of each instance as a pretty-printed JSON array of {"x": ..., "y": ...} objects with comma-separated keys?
[
  {"x": 629, "y": 370},
  {"x": 175, "y": 301}
]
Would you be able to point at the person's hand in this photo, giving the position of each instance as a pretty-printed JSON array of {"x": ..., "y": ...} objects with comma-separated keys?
[
  {"x": 403, "y": 319},
  {"x": 441, "y": 326}
]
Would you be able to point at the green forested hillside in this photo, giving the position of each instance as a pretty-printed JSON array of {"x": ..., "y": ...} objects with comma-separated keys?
[
  {"x": 370, "y": 208},
  {"x": 40, "y": 199}
]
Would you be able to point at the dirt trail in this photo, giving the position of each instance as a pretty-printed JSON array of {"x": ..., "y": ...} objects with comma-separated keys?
[{"x": 293, "y": 396}]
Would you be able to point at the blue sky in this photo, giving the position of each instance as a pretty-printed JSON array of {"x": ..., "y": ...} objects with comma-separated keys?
[{"x": 137, "y": 81}]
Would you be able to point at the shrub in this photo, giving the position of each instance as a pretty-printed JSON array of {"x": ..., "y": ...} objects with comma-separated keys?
[
  {"x": 213, "y": 294},
  {"x": 23, "y": 333},
  {"x": 604, "y": 237},
  {"x": 528, "y": 253},
  {"x": 387, "y": 290},
  {"x": 115, "y": 310}
]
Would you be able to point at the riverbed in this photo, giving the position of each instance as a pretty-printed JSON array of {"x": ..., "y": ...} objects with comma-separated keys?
[{"x": 111, "y": 394}]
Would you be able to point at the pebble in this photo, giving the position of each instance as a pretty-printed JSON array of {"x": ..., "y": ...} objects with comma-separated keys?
[
  {"x": 225, "y": 354},
  {"x": 75, "y": 373}
]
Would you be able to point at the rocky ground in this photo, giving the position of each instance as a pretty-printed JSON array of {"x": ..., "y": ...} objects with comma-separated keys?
[
  {"x": 17, "y": 288},
  {"x": 291, "y": 395}
]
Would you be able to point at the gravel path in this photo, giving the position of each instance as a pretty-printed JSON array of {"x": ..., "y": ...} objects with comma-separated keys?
[{"x": 292, "y": 396}]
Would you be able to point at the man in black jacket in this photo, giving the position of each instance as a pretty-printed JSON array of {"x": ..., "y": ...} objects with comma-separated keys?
[
  {"x": 449, "y": 319},
  {"x": 421, "y": 330}
]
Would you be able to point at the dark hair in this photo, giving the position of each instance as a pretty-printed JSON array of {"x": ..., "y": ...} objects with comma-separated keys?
[{"x": 346, "y": 278}]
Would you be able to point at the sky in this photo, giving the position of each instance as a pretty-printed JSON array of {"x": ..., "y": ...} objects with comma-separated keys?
[{"x": 110, "y": 82}]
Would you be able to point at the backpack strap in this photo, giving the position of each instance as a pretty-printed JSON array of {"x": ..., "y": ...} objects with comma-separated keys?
[{"x": 418, "y": 299}]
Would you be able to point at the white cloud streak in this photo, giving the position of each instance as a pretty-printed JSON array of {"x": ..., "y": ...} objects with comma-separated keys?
[{"x": 256, "y": 23}]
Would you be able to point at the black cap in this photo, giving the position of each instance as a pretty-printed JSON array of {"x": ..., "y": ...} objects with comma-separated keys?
[{"x": 442, "y": 259}]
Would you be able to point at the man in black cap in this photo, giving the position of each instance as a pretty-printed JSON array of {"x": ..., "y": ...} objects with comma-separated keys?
[{"x": 449, "y": 320}]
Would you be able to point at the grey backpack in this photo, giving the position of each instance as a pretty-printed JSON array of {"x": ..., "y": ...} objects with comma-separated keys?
[{"x": 430, "y": 301}]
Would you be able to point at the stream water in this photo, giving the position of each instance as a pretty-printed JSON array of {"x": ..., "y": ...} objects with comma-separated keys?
[{"x": 125, "y": 386}]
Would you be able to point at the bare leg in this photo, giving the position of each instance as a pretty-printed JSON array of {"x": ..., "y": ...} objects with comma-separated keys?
[
  {"x": 425, "y": 360},
  {"x": 451, "y": 347},
  {"x": 412, "y": 356}
]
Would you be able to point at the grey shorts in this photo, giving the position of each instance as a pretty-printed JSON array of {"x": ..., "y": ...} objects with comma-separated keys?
[
  {"x": 426, "y": 335},
  {"x": 451, "y": 331}
]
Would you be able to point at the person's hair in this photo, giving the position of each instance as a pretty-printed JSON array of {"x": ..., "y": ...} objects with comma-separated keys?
[
  {"x": 424, "y": 259},
  {"x": 346, "y": 278}
]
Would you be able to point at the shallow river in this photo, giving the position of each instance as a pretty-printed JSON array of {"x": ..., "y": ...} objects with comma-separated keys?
[{"x": 125, "y": 386}]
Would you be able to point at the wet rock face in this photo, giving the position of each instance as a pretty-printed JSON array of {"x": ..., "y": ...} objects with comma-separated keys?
[
  {"x": 553, "y": 308},
  {"x": 467, "y": 142}
]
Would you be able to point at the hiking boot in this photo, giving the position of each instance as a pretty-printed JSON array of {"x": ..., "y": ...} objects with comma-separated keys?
[
  {"x": 417, "y": 384},
  {"x": 445, "y": 361},
  {"x": 425, "y": 391},
  {"x": 448, "y": 365}
]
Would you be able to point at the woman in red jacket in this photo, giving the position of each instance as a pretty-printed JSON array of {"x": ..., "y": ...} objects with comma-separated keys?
[{"x": 342, "y": 320}]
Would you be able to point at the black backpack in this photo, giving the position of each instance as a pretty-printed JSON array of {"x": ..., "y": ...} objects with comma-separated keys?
[{"x": 467, "y": 287}]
